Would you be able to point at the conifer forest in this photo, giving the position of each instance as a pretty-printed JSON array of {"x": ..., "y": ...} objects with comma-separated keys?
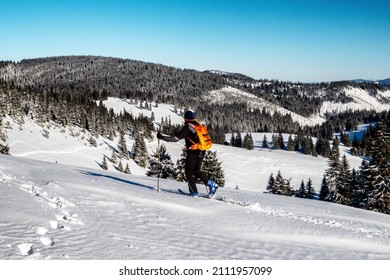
[{"x": 69, "y": 91}]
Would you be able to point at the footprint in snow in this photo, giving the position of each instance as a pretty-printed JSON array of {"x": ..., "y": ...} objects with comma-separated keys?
[
  {"x": 48, "y": 241},
  {"x": 26, "y": 249},
  {"x": 42, "y": 230},
  {"x": 55, "y": 225}
]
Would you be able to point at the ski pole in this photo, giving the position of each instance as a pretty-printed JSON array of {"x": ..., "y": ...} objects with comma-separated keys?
[{"x": 159, "y": 164}]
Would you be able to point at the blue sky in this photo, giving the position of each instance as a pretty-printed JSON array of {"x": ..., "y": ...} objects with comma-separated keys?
[{"x": 303, "y": 40}]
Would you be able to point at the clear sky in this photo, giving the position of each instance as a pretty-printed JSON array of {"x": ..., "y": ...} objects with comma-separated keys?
[{"x": 302, "y": 40}]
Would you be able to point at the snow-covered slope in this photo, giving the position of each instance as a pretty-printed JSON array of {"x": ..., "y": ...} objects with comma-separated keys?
[
  {"x": 57, "y": 203},
  {"x": 53, "y": 211},
  {"x": 362, "y": 100},
  {"x": 249, "y": 170},
  {"x": 230, "y": 94}
]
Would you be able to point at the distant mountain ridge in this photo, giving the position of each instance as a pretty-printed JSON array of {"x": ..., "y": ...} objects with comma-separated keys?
[
  {"x": 382, "y": 82},
  {"x": 230, "y": 101}
]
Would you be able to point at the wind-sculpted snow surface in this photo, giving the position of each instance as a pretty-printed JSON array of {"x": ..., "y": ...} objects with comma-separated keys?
[{"x": 51, "y": 211}]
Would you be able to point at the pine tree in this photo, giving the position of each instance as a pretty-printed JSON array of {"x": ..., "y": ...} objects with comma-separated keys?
[
  {"x": 282, "y": 186},
  {"x": 4, "y": 149},
  {"x": 238, "y": 140},
  {"x": 332, "y": 173},
  {"x": 324, "y": 192},
  {"x": 123, "y": 152},
  {"x": 127, "y": 169},
  {"x": 248, "y": 142},
  {"x": 377, "y": 177},
  {"x": 310, "y": 192},
  {"x": 287, "y": 189},
  {"x": 276, "y": 142},
  {"x": 114, "y": 158},
  {"x": 179, "y": 173},
  {"x": 320, "y": 146},
  {"x": 307, "y": 146},
  {"x": 290, "y": 144},
  {"x": 357, "y": 194},
  {"x": 271, "y": 184},
  {"x": 344, "y": 186},
  {"x": 302, "y": 191},
  {"x": 265, "y": 142},
  {"x": 160, "y": 164},
  {"x": 281, "y": 141},
  {"x": 211, "y": 166},
  {"x": 120, "y": 166},
  {"x": 139, "y": 151},
  {"x": 232, "y": 140},
  {"x": 104, "y": 163}
]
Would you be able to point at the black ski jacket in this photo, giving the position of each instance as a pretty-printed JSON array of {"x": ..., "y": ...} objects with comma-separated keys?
[{"x": 186, "y": 132}]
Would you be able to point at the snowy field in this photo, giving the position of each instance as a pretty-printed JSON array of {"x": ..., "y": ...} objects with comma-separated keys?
[
  {"x": 58, "y": 204},
  {"x": 53, "y": 211}
]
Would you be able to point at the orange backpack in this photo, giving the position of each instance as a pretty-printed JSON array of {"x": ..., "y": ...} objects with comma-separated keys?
[{"x": 205, "y": 142}]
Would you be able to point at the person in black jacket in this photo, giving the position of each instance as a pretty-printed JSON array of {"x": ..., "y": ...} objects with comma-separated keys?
[{"x": 194, "y": 157}]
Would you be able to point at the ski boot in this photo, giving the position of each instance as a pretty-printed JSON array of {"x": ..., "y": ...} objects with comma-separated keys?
[
  {"x": 212, "y": 187},
  {"x": 194, "y": 194}
]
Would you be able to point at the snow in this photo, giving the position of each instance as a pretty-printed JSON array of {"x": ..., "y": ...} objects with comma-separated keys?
[
  {"x": 54, "y": 211},
  {"x": 58, "y": 204},
  {"x": 228, "y": 94},
  {"x": 362, "y": 100}
]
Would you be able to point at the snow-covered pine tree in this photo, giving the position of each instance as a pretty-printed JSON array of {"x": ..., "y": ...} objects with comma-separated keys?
[
  {"x": 332, "y": 173},
  {"x": 248, "y": 142},
  {"x": 4, "y": 149},
  {"x": 271, "y": 184},
  {"x": 123, "y": 152},
  {"x": 287, "y": 189},
  {"x": 282, "y": 186},
  {"x": 104, "y": 163},
  {"x": 377, "y": 176},
  {"x": 114, "y": 158},
  {"x": 211, "y": 166},
  {"x": 120, "y": 166},
  {"x": 290, "y": 144},
  {"x": 310, "y": 191},
  {"x": 302, "y": 191},
  {"x": 358, "y": 193},
  {"x": 160, "y": 164},
  {"x": 92, "y": 141},
  {"x": 139, "y": 151},
  {"x": 127, "y": 169},
  {"x": 276, "y": 142},
  {"x": 344, "y": 186},
  {"x": 179, "y": 173}
]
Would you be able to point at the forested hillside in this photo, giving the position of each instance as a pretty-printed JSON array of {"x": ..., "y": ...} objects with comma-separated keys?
[{"x": 86, "y": 79}]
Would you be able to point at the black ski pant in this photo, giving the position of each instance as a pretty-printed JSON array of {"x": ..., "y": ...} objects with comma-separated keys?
[{"x": 194, "y": 161}]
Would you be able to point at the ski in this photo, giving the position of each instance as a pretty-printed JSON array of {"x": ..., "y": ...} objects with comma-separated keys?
[{"x": 188, "y": 194}]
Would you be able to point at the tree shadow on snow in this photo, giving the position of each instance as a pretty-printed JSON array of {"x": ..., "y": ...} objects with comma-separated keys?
[{"x": 88, "y": 173}]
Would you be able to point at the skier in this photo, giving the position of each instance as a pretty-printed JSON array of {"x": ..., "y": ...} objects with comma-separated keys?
[{"x": 194, "y": 156}]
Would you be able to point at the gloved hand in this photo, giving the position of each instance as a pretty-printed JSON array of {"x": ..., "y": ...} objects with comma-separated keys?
[{"x": 160, "y": 136}]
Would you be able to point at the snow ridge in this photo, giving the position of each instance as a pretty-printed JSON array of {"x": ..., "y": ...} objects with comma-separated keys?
[{"x": 362, "y": 101}]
